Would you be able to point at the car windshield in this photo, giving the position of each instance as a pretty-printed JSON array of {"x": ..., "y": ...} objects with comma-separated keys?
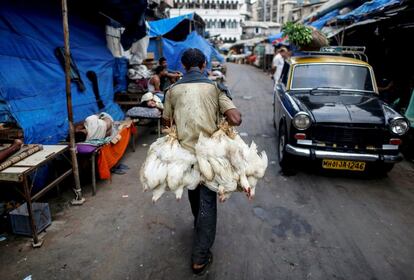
[{"x": 337, "y": 76}]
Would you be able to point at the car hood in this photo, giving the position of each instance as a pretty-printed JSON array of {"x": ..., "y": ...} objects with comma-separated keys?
[{"x": 352, "y": 108}]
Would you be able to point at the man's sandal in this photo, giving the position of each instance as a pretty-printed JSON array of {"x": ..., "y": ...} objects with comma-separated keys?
[{"x": 202, "y": 270}]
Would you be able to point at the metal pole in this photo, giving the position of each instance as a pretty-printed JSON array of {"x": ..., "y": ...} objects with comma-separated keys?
[{"x": 78, "y": 191}]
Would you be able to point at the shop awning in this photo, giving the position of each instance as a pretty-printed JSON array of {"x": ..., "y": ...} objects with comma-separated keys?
[
  {"x": 368, "y": 8},
  {"x": 162, "y": 27}
]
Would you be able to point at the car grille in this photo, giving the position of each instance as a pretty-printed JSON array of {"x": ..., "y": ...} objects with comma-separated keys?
[{"x": 347, "y": 135}]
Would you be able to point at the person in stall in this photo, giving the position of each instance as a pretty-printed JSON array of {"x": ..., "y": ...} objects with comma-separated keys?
[
  {"x": 171, "y": 77},
  {"x": 151, "y": 100},
  {"x": 10, "y": 150},
  {"x": 154, "y": 84},
  {"x": 95, "y": 127}
]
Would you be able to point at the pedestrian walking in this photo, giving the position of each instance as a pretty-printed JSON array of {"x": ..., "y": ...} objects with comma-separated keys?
[
  {"x": 278, "y": 62},
  {"x": 194, "y": 104}
]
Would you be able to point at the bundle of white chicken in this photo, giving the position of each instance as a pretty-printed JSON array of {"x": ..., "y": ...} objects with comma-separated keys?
[
  {"x": 227, "y": 164},
  {"x": 169, "y": 167}
]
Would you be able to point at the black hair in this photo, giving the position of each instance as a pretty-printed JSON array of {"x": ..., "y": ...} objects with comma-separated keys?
[
  {"x": 80, "y": 136},
  {"x": 193, "y": 57},
  {"x": 161, "y": 60},
  {"x": 158, "y": 69}
]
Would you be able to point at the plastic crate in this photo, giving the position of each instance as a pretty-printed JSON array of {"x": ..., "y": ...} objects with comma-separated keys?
[{"x": 20, "y": 221}]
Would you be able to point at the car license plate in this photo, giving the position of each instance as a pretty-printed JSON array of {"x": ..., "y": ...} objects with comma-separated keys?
[{"x": 343, "y": 164}]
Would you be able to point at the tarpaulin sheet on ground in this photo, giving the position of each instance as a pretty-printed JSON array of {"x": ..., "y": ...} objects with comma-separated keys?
[
  {"x": 172, "y": 50},
  {"x": 32, "y": 82}
]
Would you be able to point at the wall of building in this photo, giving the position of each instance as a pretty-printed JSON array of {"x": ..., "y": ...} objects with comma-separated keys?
[
  {"x": 223, "y": 18},
  {"x": 257, "y": 31}
]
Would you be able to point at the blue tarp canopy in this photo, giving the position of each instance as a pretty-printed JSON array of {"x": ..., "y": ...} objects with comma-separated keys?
[
  {"x": 271, "y": 38},
  {"x": 32, "y": 82},
  {"x": 318, "y": 24},
  {"x": 368, "y": 8},
  {"x": 172, "y": 50},
  {"x": 360, "y": 13},
  {"x": 163, "y": 26}
]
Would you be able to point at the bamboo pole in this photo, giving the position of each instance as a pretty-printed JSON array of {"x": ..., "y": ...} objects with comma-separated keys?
[{"x": 78, "y": 191}]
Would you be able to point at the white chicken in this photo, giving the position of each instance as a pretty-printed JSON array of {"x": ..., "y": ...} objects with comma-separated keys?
[
  {"x": 169, "y": 167},
  {"x": 223, "y": 162},
  {"x": 214, "y": 163},
  {"x": 227, "y": 162}
]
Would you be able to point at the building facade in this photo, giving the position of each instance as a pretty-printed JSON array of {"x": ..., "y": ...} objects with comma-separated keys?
[
  {"x": 305, "y": 9},
  {"x": 223, "y": 18},
  {"x": 252, "y": 29},
  {"x": 285, "y": 10},
  {"x": 158, "y": 9},
  {"x": 282, "y": 11}
]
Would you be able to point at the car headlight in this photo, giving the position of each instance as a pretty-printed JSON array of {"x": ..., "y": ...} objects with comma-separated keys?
[
  {"x": 302, "y": 121},
  {"x": 399, "y": 126}
]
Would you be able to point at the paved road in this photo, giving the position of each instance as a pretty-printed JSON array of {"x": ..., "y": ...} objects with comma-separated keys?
[{"x": 313, "y": 225}]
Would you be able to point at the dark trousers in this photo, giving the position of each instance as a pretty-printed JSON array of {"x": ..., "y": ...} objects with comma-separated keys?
[{"x": 204, "y": 207}]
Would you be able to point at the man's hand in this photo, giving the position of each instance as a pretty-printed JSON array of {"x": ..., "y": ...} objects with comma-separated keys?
[
  {"x": 233, "y": 117},
  {"x": 166, "y": 122}
]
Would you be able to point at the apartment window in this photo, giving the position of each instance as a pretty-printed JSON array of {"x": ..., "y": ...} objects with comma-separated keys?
[
  {"x": 222, "y": 6},
  {"x": 257, "y": 30},
  {"x": 223, "y": 24}
]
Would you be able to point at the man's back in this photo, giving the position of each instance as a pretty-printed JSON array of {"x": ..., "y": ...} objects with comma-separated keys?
[{"x": 194, "y": 107}]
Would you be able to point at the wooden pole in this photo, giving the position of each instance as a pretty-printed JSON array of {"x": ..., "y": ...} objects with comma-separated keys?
[{"x": 78, "y": 191}]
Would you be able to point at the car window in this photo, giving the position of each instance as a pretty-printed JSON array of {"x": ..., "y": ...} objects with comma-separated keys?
[{"x": 347, "y": 77}]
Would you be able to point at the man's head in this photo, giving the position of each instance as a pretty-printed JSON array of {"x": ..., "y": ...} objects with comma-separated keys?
[
  {"x": 163, "y": 62},
  {"x": 193, "y": 57},
  {"x": 159, "y": 70},
  {"x": 284, "y": 52}
]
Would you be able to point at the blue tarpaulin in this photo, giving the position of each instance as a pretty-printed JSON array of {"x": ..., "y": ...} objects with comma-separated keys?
[
  {"x": 368, "y": 8},
  {"x": 318, "y": 24},
  {"x": 32, "y": 82},
  {"x": 172, "y": 50},
  {"x": 278, "y": 36},
  {"x": 163, "y": 26}
]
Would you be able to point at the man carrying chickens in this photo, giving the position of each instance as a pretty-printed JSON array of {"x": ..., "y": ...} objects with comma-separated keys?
[{"x": 194, "y": 104}]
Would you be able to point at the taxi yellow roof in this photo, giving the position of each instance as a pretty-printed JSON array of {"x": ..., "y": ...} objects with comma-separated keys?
[{"x": 326, "y": 59}]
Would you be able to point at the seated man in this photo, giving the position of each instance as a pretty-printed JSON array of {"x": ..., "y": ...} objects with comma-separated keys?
[
  {"x": 154, "y": 84},
  {"x": 7, "y": 152},
  {"x": 171, "y": 76}
]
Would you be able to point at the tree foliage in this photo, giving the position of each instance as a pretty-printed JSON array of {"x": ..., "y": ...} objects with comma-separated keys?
[{"x": 297, "y": 33}]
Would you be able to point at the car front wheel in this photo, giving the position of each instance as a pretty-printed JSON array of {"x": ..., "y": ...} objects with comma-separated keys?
[{"x": 285, "y": 159}]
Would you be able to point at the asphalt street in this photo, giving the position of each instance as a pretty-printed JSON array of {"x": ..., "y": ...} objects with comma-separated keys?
[{"x": 312, "y": 225}]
